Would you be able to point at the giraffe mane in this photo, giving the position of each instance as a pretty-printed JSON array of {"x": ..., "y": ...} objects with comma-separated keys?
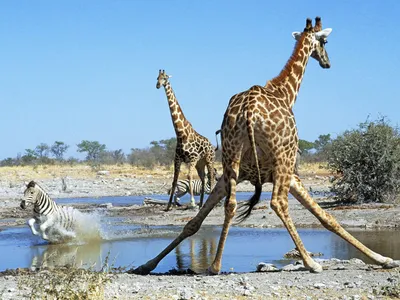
[{"x": 288, "y": 67}]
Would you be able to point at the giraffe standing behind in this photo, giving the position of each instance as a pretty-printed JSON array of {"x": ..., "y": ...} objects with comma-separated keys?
[
  {"x": 259, "y": 144},
  {"x": 191, "y": 147}
]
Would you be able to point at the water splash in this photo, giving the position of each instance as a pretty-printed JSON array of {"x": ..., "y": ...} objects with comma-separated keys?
[{"x": 85, "y": 228}]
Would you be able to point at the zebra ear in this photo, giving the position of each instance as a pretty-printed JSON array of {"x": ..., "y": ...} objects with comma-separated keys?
[
  {"x": 31, "y": 184},
  {"x": 26, "y": 183}
]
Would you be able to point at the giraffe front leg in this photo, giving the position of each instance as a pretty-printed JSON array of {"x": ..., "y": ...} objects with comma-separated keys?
[
  {"x": 190, "y": 228},
  {"x": 190, "y": 177},
  {"x": 329, "y": 222},
  {"x": 31, "y": 223},
  {"x": 177, "y": 167},
  {"x": 202, "y": 175}
]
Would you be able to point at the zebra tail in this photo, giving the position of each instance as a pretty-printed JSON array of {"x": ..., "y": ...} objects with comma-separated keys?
[{"x": 246, "y": 207}]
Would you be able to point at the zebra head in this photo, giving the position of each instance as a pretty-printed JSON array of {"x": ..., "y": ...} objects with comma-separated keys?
[{"x": 30, "y": 194}]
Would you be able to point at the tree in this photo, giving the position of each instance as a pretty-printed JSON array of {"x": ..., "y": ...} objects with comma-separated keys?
[
  {"x": 58, "y": 150},
  {"x": 93, "y": 149},
  {"x": 322, "y": 142},
  {"x": 118, "y": 156},
  {"x": 304, "y": 145},
  {"x": 367, "y": 163},
  {"x": 42, "y": 150},
  {"x": 29, "y": 157},
  {"x": 163, "y": 151},
  {"x": 141, "y": 157}
]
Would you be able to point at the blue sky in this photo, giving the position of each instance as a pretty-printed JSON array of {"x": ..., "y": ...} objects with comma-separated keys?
[{"x": 86, "y": 70}]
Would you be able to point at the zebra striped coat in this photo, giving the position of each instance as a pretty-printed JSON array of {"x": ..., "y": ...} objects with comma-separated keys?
[
  {"x": 182, "y": 188},
  {"x": 46, "y": 213}
]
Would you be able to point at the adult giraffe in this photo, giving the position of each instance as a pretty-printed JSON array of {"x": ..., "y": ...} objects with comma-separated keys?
[
  {"x": 259, "y": 143},
  {"x": 191, "y": 148}
]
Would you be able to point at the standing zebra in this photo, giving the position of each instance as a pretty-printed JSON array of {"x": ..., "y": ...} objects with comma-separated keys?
[
  {"x": 182, "y": 187},
  {"x": 47, "y": 214}
]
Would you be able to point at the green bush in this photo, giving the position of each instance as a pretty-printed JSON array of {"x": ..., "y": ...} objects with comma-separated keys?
[{"x": 366, "y": 162}]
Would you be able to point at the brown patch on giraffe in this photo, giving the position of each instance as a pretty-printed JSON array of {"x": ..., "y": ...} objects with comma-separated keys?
[{"x": 293, "y": 58}]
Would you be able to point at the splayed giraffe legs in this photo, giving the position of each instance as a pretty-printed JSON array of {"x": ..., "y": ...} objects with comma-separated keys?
[
  {"x": 230, "y": 210},
  {"x": 190, "y": 228},
  {"x": 279, "y": 203},
  {"x": 329, "y": 222}
]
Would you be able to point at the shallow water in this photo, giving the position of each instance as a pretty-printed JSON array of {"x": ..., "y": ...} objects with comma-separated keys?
[
  {"x": 138, "y": 200},
  {"x": 132, "y": 245},
  {"x": 129, "y": 246}
]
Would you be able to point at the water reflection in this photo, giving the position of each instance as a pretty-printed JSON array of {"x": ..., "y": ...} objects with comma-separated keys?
[
  {"x": 59, "y": 255},
  {"x": 200, "y": 255},
  {"x": 386, "y": 243}
]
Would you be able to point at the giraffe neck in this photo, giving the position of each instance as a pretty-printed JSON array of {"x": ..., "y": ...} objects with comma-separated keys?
[
  {"x": 178, "y": 118},
  {"x": 287, "y": 83}
]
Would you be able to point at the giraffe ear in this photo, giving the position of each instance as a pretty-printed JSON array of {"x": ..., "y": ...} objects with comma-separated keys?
[
  {"x": 169, "y": 76},
  {"x": 323, "y": 33},
  {"x": 296, "y": 35}
]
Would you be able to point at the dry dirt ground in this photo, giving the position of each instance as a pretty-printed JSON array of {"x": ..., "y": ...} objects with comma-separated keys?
[{"x": 340, "y": 279}]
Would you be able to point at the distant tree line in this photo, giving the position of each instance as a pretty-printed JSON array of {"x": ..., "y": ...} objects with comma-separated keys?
[{"x": 365, "y": 161}]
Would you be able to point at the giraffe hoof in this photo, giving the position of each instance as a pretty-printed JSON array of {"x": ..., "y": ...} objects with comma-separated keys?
[
  {"x": 390, "y": 264},
  {"x": 210, "y": 271},
  {"x": 316, "y": 268},
  {"x": 142, "y": 270}
]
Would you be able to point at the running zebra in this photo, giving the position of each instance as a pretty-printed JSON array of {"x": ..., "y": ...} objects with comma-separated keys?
[
  {"x": 47, "y": 214},
  {"x": 182, "y": 187}
]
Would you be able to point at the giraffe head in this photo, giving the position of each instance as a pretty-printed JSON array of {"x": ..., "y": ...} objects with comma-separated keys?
[
  {"x": 318, "y": 39},
  {"x": 162, "y": 78}
]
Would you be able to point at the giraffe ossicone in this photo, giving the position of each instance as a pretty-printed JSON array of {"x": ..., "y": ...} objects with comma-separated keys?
[{"x": 259, "y": 143}]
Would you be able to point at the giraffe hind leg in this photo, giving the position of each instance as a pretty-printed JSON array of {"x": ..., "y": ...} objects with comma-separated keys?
[
  {"x": 329, "y": 222},
  {"x": 279, "y": 203}
]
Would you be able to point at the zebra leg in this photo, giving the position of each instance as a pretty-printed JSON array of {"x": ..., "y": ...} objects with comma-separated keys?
[
  {"x": 176, "y": 200},
  {"x": 43, "y": 227},
  {"x": 31, "y": 223}
]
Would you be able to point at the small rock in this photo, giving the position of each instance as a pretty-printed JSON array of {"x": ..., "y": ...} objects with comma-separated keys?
[
  {"x": 106, "y": 205},
  {"x": 339, "y": 267},
  {"x": 292, "y": 267},
  {"x": 357, "y": 261},
  {"x": 264, "y": 267},
  {"x": 104, "y": 172},
  {"x": 319, "y": 285}
]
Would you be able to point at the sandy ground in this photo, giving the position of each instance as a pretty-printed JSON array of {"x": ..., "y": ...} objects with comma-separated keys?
[{"x": 340, "y": 279}]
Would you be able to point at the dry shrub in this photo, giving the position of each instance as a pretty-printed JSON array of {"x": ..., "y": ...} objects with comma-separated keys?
[{"x": 66, "y": 283}]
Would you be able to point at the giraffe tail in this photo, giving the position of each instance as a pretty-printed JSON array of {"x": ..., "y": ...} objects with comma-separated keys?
[
  {"x": 250, "y": 131},
  {"x": 246, "y": 207}
]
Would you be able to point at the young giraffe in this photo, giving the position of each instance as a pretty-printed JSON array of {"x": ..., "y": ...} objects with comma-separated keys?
[
  {"x": 259, "y": 143},
  {"x": 191, "y": 147}
]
